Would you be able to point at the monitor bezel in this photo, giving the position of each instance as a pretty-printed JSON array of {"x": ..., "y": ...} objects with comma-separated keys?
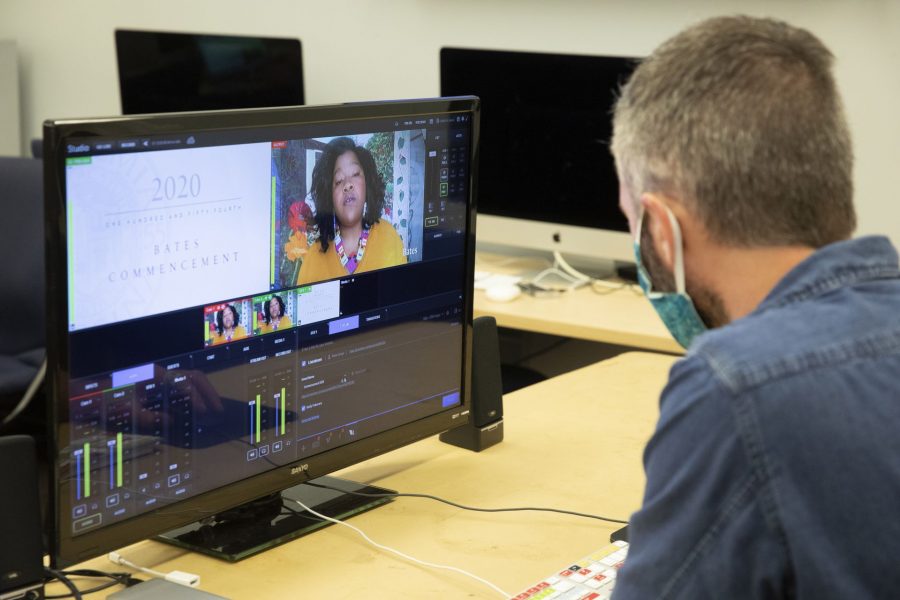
[
  {"x": 64, "y": 549},
  {"x": 126, "y": 36}
]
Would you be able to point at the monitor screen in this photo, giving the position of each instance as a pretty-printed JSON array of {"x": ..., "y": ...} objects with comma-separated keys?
[
  {"x": 162, "y": 71},
  {"x": 544, "y": 153},
  {"x": 244, "y": 300}
]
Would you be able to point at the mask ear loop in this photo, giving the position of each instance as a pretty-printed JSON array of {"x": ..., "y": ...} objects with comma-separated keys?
[
  {"x": 640, "y": 226},
  {"x": 679, "y": 255},
  {"x": 678, "y": 262}
]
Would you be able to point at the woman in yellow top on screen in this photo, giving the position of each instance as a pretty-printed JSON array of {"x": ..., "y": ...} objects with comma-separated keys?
[
  {"x": 228, "y": 327},
  {"x": 274, "y": 317},
  {"x": 348, "y": 193}
]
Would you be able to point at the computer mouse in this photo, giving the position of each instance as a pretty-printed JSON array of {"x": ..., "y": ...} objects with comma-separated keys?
[{"x": 505, "y": 292}]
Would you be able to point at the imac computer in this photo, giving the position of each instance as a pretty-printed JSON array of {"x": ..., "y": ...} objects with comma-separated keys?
[
  {"x": 162, "y": 71},
  {"x": 196, "y": 368},
  {"x": 547, "y": 180}
]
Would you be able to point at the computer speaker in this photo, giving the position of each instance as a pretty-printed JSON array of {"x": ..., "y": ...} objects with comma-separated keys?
[
  {"x": 485, "y": 426},
  {"x": 21, "y": 552}
]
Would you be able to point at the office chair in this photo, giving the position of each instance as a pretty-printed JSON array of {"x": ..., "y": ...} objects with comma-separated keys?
[{"x": 22, "y": 288}]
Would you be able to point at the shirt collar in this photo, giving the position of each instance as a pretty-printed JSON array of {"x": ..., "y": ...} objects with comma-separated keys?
[{"x": 835, "y": 265}]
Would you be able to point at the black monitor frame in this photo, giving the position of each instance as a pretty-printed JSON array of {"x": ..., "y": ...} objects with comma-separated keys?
[
  {"x": 547, "y": 178},
  {"x": 64, "y": 548},
  {"x": 267, "y": 72}
]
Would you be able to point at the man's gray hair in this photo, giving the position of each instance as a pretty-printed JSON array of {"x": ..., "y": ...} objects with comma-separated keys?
[{"x": 740, "y": 119}]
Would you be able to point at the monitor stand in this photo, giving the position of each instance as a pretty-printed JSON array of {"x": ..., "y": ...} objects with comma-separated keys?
[{"x": 275, "y": 519}]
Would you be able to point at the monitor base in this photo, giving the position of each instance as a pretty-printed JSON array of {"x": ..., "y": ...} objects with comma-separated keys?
[{"x": 272, "y": 520}]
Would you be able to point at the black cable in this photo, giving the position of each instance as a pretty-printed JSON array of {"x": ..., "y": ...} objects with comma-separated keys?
[
  {"x": 75, "y": 593},
  {"x": 430, "y": 497},
  {"x": 552, "y": 346},
  {"x": 121, "y": 578}
]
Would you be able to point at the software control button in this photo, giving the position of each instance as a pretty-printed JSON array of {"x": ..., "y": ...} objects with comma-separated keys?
[{"x": 87, "y": 523}]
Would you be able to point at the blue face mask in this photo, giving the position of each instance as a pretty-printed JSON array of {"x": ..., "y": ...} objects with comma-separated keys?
[{"x": 676, "y": 309}]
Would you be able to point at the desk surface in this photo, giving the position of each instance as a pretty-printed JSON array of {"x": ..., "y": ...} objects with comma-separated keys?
[
  {"x": 618, "y": 317},
  {"x": 573, "y": 442}
]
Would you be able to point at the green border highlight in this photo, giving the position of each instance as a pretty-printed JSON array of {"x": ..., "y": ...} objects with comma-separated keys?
[
  {"x": 87, "y": 469},
  {"x": 258, "y": 418},
  {"x": 119, "y": 477},
  {"x": 283, "y": 403},
  {"x": 272, "y": 232}
]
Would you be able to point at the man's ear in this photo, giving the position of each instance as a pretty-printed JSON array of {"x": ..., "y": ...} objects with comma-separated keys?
[{"x": 659, "y": 227}]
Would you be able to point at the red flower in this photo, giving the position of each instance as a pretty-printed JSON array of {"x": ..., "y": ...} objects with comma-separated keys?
[{"x": 299, "y": 214}]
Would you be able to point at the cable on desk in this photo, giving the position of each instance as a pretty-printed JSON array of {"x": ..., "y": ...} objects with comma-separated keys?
[
  {"x": 54, "y": 574},
  {"x": 463, "y": 506},
  {"x": 179, "y": 577},
  {"x": 549, "y": 348},
  {"x": 573, "y": 279},
  {"x": 124, "y": 579},
  {"x": 401, "y": 554},
  {"x": 600, "y": 286},
  {"x": 608, "y": 287}
]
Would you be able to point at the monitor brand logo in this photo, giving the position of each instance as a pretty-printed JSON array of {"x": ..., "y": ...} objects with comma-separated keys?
[{"x": 300, "y": 469}]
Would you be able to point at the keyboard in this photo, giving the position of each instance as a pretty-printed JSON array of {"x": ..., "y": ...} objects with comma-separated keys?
[{"x": 591, "y": 578}]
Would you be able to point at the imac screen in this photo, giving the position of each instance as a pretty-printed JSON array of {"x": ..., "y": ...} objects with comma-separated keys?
[
  {"x": 163, "y": 71},
  {"x": 546, "y": 129},
  {"x": 248, "y": 299}
]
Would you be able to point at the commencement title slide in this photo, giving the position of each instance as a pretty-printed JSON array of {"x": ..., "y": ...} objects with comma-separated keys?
[{"x": 158, "y": 231}]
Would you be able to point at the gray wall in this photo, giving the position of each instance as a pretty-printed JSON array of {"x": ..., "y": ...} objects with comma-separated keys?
[
  {"x": 378, "y": 49},
  {"x": 10, "y": 119}
]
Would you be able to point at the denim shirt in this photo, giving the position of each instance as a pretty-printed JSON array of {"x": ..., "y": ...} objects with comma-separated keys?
[{"x": 774, "y": 470}]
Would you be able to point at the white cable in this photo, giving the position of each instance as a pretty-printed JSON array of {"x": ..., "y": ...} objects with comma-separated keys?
[
  {"x": 401, "y": 554},
  {"x": 571, "y": 282},
  {"x": 29, "y": 394},
  {"x": 560, "y": 262},
  {"x": 180, "y": 577},
  {"x": 604, "y": 285}
]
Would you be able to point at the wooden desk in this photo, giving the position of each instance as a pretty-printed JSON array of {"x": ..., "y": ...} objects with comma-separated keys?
[
  {"x": 619, "y": 317},
  {"x": 573, "y": 442}
]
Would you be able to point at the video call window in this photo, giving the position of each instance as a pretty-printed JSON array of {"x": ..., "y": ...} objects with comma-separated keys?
[{"x": 347, "y": 204}]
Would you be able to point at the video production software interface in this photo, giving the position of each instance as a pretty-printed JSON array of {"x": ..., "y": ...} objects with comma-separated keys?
[{"x": 179, "y": 248}]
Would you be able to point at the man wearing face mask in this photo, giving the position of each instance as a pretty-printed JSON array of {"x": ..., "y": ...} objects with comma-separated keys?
[{"x": 774, "y": 470}]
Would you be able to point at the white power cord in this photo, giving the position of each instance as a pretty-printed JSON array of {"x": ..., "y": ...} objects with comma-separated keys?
[
  {"x": 598, "y": 285},
  {"x": 180, "y": 577},
  {"x": 401, "y": 554},
  {"x": 560, "y": 262}
]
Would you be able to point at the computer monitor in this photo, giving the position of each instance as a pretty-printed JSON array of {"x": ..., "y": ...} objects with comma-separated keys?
[
  {"x": 162, "y": 71},
  {"x": 547, "y": 180},
  {"x": 194, "y": 365}
]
